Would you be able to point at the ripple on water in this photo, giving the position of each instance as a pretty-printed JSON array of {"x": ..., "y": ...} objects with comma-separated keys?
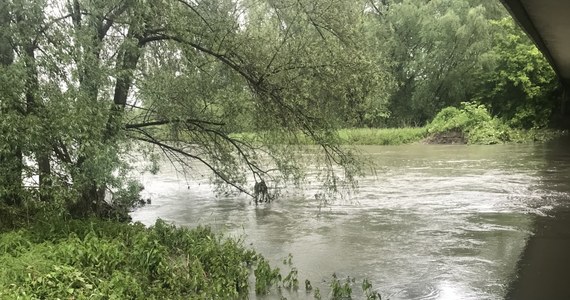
[
  {"x": 415, "y": 291},
  {"x": 433, "y": 223}
]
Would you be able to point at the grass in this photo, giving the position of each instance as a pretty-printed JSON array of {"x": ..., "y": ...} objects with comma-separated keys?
[
  {"x": 409, "y": 135},
  {"x": 382, "y": 136},
  {"x": 353, "y": 136}
]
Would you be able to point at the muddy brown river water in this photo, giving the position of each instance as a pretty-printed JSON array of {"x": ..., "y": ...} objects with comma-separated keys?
[{"x": 433, "y": 222}]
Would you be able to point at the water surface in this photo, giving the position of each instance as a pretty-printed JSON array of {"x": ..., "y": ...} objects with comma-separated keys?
[{"x": 433, "y": 221}]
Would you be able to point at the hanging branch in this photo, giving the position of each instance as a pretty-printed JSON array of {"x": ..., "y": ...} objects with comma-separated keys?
[{"x": 150, "y": 139}]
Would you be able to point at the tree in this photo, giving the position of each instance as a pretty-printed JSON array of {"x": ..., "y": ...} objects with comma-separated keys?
[
  {"x": 521, "y": 84},
  {"x": 10, "y": 152},
  {"x": 103, "y": 78},
  {"x": 437, "y": 48}
]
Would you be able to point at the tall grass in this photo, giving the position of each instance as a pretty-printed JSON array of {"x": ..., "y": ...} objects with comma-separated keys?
[
  {"x": 382, "y": 136},
  {"x": 353, "y": 136},
  {"x": 491, "y": 131}
]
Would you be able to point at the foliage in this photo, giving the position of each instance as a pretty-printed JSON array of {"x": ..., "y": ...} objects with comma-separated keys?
[
  {"x": 444, "y": 52},
  {"x": 268, "y": 277},
  {"x": 55, "y": 258},
  {"x": 369, "y": 292},
  {"x": 341, "y": 290},
  {"x": 435, "y": 49},
  {"x": 180, "y": 78},
  {"x": 474, "y": 121},
  {"x": 353, "y": 136},
  {"x": 479, "y": 127},
  {"x": 102, "y": 260},
  {"x": 520, "y": 86},
  {"x": 385, "y": 136},
  {"x": 85, "y": 86},
  {"x": 487, "y": 130}
]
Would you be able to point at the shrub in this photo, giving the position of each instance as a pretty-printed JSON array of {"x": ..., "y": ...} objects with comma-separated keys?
[
  {"x": 474, "y": 121},
  {"x": 108, "y": 260},
  {"x": 95, "y": 259}
]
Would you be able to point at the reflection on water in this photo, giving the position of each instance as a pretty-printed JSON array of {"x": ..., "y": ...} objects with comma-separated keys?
[
  {"x": 434, "y": 222},
  {"x": 545, "y": 262}
]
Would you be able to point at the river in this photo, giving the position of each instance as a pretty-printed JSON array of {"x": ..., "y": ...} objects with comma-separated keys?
[{"x": 433, "y": 221}]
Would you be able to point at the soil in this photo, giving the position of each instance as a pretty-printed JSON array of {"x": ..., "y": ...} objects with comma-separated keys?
[{"x": 449, "y": 137}]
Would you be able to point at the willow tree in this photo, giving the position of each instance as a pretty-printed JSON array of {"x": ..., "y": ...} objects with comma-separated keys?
[
  {"x": 105, "y": 77},
  {"x": 438, "y": 48}
]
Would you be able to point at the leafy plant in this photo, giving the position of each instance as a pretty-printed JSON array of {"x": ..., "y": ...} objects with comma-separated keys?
[
  {"x": 291, "y": 281},
  {"x": 317, "y": 294},
  {"x": 340, "y": 290},
  {"x": 474, "y": 121},
  {"x": 520, "y": 85},
  {"x": 99, "y": 259},
  {"x": 265, "y": 277},
  {"x": 369, "y": 292}
]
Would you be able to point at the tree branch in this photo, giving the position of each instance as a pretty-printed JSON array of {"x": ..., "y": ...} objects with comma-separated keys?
[
  {"x": 110, "y": 18},
  {"x": 197, "y": 13},
  {"x": 164, "y": 122},
  {"x": 150, "y": 139}
]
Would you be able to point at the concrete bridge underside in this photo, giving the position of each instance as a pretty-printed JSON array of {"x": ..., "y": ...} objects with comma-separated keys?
[
  {"x": 544, "y": 268},
  {"x": 547, "y": 22}
]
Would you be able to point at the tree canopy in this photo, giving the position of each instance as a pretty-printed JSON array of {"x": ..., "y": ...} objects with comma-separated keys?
[{"x": 85, "y": 84}]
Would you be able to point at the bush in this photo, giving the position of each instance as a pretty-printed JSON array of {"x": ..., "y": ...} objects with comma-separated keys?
[
  {"x": 474, "y": 121},
  {"x": 95, "y": 259},
  {"x": 106, "y": 260}
]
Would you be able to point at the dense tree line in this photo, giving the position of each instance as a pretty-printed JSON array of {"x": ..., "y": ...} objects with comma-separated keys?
[
  {"x": 446, "y": 52},
  {"x": 86, "y": 84}
]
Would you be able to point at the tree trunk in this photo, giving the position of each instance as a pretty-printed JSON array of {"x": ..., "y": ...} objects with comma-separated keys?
[
  {"x": 45, "y": 176},
  {"x": 33, "y": 107}
]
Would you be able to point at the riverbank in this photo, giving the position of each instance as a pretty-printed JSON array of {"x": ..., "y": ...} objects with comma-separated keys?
[
  {"x": 411, "y": 135},
  {"x": 101, "y": 259},
  {"x": 346, "y": 136},
  {"x": 96, "y": 259},
  {"x": 471, "y": 123}
]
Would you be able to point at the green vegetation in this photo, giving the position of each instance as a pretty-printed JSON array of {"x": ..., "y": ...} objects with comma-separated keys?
[
  {"x": 106, "y": 260},
  {"x": 382, "y": 136},
  {"x": 78, "y": 101},
  {"x": 445, "y": 52},
  {"x": 94, "y": 259},
  {"x": 87, "y": 86},
  {"x": 474, "y": 122},
  {"x": 521, "y": 88},
  {"x": 354, "y": 136}
]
